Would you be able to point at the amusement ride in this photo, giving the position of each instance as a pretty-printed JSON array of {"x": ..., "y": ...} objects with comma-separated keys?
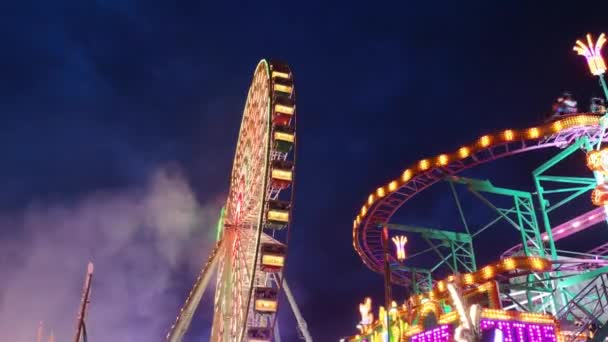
[
  {"x": 541, "y": 289},
  {"x": 253, "y": 230}
]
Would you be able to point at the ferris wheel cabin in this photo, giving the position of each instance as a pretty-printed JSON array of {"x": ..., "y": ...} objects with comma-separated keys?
[
  {"x": 282, "y": 174},
  {"x": 277, "y": 216},
  {"x": 266, "y": 299},
  {"x": 283, "y": 138},
  {"x": 273, "y": 257},
  {"x": 259, "y": 335}
]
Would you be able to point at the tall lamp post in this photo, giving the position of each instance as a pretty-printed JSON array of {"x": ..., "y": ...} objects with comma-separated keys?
[
  {"x": 387, "y": 279},
  {"x": 596, "y": 160}
]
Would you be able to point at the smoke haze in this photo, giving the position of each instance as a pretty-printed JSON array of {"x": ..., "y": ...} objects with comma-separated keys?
[{"x": 141, "y": 240}]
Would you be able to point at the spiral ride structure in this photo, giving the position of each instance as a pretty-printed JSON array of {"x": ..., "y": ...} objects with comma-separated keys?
[
  {"x": 554, "y": 209},
  {"x": 253, "y": 231}
]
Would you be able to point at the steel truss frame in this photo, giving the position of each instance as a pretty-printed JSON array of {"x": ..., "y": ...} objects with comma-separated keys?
[
  {"x": 184, "y": 319},
  {"x": 575, "y": 290}
]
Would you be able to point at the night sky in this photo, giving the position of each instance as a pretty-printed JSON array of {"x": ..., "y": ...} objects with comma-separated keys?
[{"x": 114, "y": 112}]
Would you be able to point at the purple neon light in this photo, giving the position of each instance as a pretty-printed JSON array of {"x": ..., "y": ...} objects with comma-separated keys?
[
  {"x": 512, "y": 331},
  {"x": 442, "y": 333},
  {"x": 566, "y": 229}
]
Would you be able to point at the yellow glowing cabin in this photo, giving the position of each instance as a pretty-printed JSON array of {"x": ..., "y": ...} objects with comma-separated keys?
[
  {"x": 273, "y": 257},
  {"x": 280, "y": 70},
  {"x": 258, "y": 335},
  {"x": 277, "y": 216},
  {"x": 281, "y": 173},
  {"x": 284, "y": 108},
  {"x": 283, "y": 138},
  {"x": 282, "y": 86},
  {"x": 265, "y": 299}
]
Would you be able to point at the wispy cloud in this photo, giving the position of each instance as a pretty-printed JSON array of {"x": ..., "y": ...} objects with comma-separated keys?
[{"x": 141, "y": 240}]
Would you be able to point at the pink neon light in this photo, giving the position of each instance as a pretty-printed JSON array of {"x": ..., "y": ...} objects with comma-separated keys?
[
  {"x": 442, "y": 333},
  {"x": 513, "y": 331}
]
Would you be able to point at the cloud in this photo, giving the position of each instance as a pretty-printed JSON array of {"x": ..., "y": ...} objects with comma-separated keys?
[{"x": 141, "y": 240}]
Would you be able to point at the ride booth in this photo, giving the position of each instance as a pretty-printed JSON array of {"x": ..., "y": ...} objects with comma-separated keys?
[{"x": 437, "y": 315}]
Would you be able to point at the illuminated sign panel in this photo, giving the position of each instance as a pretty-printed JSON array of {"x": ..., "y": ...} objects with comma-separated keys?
[
  {"x": 513, "y": 331},
  {"x": 442, "y": 333}
]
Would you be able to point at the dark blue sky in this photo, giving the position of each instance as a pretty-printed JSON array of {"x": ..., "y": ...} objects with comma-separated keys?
[{"x": 95, "y": 95}]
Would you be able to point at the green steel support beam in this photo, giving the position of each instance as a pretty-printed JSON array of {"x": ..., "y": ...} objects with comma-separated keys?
[
  {"x": 444, "y": 259},
  {"x": 566, "y": 179},
  {"x": 432, "y": 233},
  {"x": 559, "y": 157},
  {"x": 525, "y": 222},
  {"x": 535, "y": 232},
  {"x": 487, "y": 186},
  {"x": 425, "y": 283},
  {"x": 540, "y": 191},
  {"x": 523, "y": 207},
  {"x": 462, "y": 217},
  {"x": 581, "y": 277},
  {"x": 456, "y": 242}
]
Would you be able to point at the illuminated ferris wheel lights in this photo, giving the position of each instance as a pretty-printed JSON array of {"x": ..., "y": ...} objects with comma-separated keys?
[{"x": 593, "y": 53}]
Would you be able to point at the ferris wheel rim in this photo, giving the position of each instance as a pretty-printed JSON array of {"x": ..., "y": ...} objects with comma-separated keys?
[
  {"x": 272, "y": 81},
  {"x": 366, "y": 235}
]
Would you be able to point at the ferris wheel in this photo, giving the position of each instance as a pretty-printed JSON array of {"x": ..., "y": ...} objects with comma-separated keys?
[{"x": 253, "y": 232}]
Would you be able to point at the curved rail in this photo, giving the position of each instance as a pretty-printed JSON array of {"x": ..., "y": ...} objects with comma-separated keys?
[{"x": 387, "y": 199}]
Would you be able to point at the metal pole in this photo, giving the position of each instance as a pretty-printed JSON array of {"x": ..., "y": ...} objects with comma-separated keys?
[
  {"x": 277, "y": 333},
  {"x": 603, "y": 119},
  {"x": 296, "y": 312},
  {"x": 604, "y": 87},
  {"x": 387, "y": 280},
  {"x": 84, "y": 302},
  {"x": 39, "y": 334},
  {"x": 182, "y": 322}
]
